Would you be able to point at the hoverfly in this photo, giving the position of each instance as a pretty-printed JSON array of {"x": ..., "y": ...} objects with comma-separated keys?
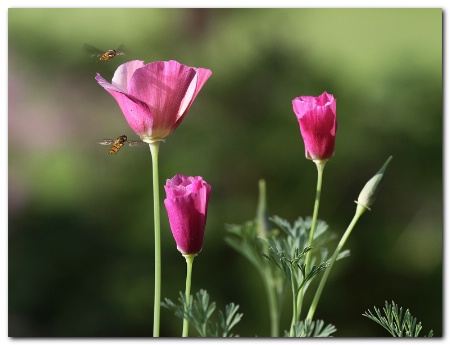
[
  {"x": 101, "y": 54},
  {"x": 118, "y": 143}
]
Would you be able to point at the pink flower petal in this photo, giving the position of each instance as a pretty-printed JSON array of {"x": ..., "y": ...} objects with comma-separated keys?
[
  {"x": 187, "y": 207},
  {"x": 124, "y": 73},
  {"x": 136, "y": 113},
  {"x": 317, "y": 119},
  {"x": 163, "y": 86},
  {"x": 201, "y": 78},
  {"x": 154, "y": 98}
]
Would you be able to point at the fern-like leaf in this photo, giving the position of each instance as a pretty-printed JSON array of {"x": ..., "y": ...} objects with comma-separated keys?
[{"x": 395, "y": 321}]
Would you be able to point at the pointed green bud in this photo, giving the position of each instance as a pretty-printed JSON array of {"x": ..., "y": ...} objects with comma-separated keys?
[
  {"x": 370, "y": 191},
  {"x": 261, "y": 212}
]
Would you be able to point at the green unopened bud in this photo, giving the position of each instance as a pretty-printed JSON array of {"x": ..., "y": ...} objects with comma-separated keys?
[
  {"x": 261, "y": 212},
  {"x": 370, "y": 191}
]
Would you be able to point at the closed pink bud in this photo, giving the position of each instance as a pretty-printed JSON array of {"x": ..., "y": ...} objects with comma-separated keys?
[
  {"x": 155, "y": 97},
  {"x": 187, "y": 207},
  {"x": 317, "y": 119}
]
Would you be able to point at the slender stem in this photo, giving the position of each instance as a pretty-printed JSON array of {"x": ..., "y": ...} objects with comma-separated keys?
[
  {"x": 189, "y": 260},
  {"x": 154, "y": 149},
  {"x": 294, "y": 304},
  {"x": 320, "y": 167},
  {"x": 359, "y": 211},
  {"x": 265, "y": 270},
  {"x": 269, "y": 284}
]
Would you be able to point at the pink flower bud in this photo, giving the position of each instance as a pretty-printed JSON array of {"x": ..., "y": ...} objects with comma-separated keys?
[
  {"x": 317, "y": 119},
  {"x": 155, "y": 97},
  {"x": 187, "y": 207}
]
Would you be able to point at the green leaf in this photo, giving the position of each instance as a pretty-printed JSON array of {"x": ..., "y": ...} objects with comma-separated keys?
[
  {"x": 310, "y": 328},
  {"x": 199, "y": 313},
  {"x": 397, "y": 323}
]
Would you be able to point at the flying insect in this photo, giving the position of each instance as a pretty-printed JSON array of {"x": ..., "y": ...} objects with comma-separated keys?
[
  {"x": 101, "y": 54},
  {"x": 119, "y": 142}
]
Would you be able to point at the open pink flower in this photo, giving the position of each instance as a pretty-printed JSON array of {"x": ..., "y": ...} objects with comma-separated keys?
[
  {"x": 155, "y": 97},
  {"x": 317, "y": 119},
  {"x": 187, "y": 207}
]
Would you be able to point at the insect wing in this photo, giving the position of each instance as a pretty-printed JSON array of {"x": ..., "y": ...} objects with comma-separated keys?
[
  {"x": 93, "y": 52},
  {"x": 121, "y": 50},
  {"x": 106, "y": 141},
  {"x": 135, "y": 143}
]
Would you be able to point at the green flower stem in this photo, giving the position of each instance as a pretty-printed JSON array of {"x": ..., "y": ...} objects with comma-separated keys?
[
  {"x": 320, "y": 164},
  {"x": 273, "y": 308},
  {"x": 359, "y": 211},
  {"x": 189, "y": 260},
  {"x": 154, "y": 149},
  {"x": 294, "y": 304},
  {"x": 265, "y": 271}
]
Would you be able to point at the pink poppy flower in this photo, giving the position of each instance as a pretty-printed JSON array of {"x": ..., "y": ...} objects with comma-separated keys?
[
  {"x": 187, "y": 207},
  {"x": 317, "y": 119},
  {"x": 155, "y": 97}
]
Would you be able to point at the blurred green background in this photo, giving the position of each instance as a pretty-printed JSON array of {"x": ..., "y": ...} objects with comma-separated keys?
[{"x": 81, "y": 221}]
